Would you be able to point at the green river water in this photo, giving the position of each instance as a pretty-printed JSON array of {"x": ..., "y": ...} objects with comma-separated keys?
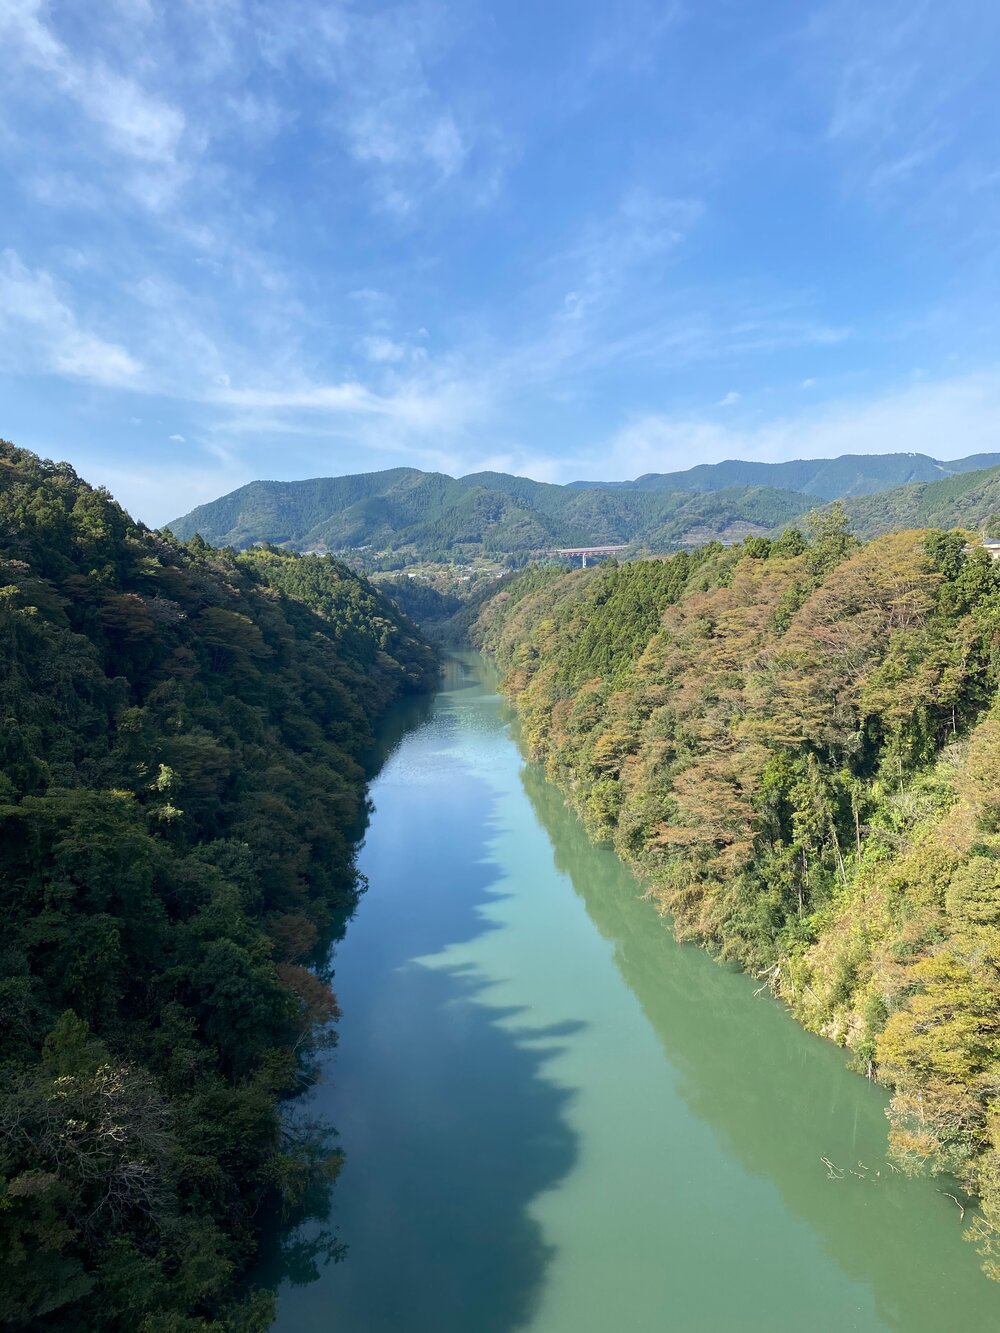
[{"x": 558, "y": 1120}]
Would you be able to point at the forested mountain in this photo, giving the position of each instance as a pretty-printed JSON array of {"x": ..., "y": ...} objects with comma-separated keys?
[
  {"x": 181, "y": 738},
  {"x": 797, "y": 744},
  {"x": 968, "y": 501},
  {"x": 427, "y": 515},
  {"x": 826, "y": 478},
  {"x": 434, "y": 516}
]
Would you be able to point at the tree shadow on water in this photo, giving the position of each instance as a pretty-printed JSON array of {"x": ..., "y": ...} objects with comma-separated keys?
[{"x": 449, "y": 1125}]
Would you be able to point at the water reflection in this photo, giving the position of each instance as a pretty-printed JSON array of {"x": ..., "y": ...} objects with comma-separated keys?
[
  {"x": 448, "y": 1127},
  {"x": 552, "y": 1128},
  {"x": 779, "y": 1100}
]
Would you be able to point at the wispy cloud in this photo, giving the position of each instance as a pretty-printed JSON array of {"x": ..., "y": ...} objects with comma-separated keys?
[
  {"x": 627, "y": 36},
  {"x": 416, "y": 407},
  {"x": 376, "y": 69},
  {"x": 906, "y": 85},
  {"x": 646, "y": 227},
  {"x": 382, "y": 350},
  {"x": 135, "y": 122},
  {"x": 250, "y": 213},
  {"x": 39, "y": 332},
  {"x": 122, "y": 141},
  {"x": 687, "y": 328}
]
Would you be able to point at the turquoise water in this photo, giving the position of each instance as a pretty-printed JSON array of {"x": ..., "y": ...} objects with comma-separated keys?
[{"x": 558, "y": 1120}]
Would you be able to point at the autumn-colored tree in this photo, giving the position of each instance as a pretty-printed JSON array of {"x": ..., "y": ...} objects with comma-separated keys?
[{"x": 800, "y": 759}]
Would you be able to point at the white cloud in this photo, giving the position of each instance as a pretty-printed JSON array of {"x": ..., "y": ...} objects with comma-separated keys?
[
  {"x": 424, "y": 419},
  {"x": 39, "y": 332},
  {"x": 350, "y": 397},
  {"x": 604, "y": 290},
  {"x": 730, "y": 399},
  {"x": 647, "y": 329},
  {"x": 869, "y": 98},
  {"x": 262, "y": 118},
  {"x": 137, "y": 123},
  {"x": 374, "y": 302},
  {"x": 382, "y": 350},
  {"x": 177, "y": 439},
  {"x": 944, "y": 419}
]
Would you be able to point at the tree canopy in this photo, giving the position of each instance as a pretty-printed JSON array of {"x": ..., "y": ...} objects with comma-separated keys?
[
  {"x": 182, "y": 740},
  {"x": 795, "y": 742}
]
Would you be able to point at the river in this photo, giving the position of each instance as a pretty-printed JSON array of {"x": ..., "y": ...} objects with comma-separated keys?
[{"x": 558, "y": 1120}]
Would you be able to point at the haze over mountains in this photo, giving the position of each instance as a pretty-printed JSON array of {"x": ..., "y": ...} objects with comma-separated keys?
[{"x": 429, "y": 515}]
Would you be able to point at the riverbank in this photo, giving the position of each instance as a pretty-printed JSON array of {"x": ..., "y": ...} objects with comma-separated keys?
[
  {"x": 795, "y": 743},
  {"x": 558, "y": 1120}
]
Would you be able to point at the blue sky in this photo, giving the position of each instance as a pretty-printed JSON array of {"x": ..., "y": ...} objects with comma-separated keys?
[{"x": 572, "y": 239}]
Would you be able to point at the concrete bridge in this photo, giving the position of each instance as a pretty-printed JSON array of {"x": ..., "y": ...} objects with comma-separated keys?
[{"x": 583, "y": 552}]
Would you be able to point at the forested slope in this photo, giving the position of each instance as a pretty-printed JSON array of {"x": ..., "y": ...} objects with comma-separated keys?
[
  {"x": 797, "y": 744},
  {"x": 433, "y": 516},
  {"x": 412, "y": 515},
  {"x": 968, "y": 501},
  {"x": 181, "y": 736}
]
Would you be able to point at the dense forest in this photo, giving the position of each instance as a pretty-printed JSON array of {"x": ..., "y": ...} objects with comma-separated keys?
[
  {"x": 427, "y": 515},
  {"x": 796, "y": 743},
  {"x": 182, "y": 732}
]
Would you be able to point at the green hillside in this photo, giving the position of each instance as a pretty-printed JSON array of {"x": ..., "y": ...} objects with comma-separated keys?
[
  {"x": 796, "y": 743},
  {"x": 488, "y": 513},
  {"x": 968, "y": 501},
  {"x": 181, "y": 742}
]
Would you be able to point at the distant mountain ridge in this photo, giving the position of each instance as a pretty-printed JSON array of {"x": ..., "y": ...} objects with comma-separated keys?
[
  {"x": 825, "y": 478},
  {"x": 409, "y": 514},
  {"x": 432, "y": 514}
]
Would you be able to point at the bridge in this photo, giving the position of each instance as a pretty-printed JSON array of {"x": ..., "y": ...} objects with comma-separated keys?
[{"x": 584, "y": 551}]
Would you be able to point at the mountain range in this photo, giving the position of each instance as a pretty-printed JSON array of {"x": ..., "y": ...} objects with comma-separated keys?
[
  {"x": 488, "y": 513},
  {"x": 412, "y": 514},
  {"x": 824, "y": 478}
]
